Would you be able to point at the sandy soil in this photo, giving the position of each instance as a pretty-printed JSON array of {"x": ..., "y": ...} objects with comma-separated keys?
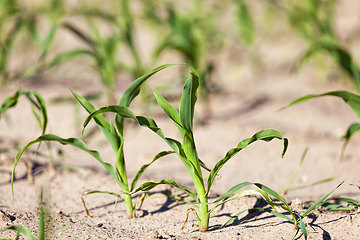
[
  {"x": 237, "y": 114},
  {"x": 258, "y": 82}
]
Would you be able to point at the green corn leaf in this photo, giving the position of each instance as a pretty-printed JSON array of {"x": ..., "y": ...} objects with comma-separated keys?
[
  {"x": 319, "y": 202},
  {"x": 336, "y": 206},
  {"x": 246, "y": 193},
  {"x": 188, "y": 100},
  {"x": 112, "y": 136},
  {"x": 264, "y": 135},
  {"x": 48, "y": 40},
  {"x": 150, "y": 185},
  {"x": 144, "y": 167},
  {"x": 174, "y": 144},
  {"x": 103, "y": 192},
  {"x": 99, "y": 119},
  {"x": 79, "y": 34},
  {"x": 275, "y": 213},
  {"x": 355, "y": 127},
  {"x": 232, "y": 191},
  {"x": 69, "y": 141},
  {"x": 302, "y": 227},
  {"x": 133, "y": 90},
  {"x": 37, "y": 103},
  {"x": 65, "y": 56},
  {"x": 351, "y": 99},
  {"x": 245, "y": 22},
  {"x": 122, "y": 111},
  {"x": 170, "y": 111},
  {"x": 345, "y": 61}
]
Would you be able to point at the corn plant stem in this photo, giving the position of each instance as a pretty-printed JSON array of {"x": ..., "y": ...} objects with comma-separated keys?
[
  {"x": 121, "y": 169},
  {"x": 191, "y": 153},
  {"x": 204, "y": 214}
]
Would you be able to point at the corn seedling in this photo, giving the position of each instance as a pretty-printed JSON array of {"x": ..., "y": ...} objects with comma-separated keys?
[
  {"x": 114, "y": 133},
  {"x": 187, "y": 153},
  {"x": 194, "y": 36},
  {"x": 12, "y": 14},
  {"x": 245, "y": 22},
  {"x": 313, "y": 20},
  {"x": 102, "y": 49}
]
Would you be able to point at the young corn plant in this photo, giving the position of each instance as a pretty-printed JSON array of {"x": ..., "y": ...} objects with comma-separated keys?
[
  {"x": 114, "y": 133},
  {"x": 186, "y": 151},
  {"x": 312, "y": 19},
  {"x": 193, "y": 35},
  {"x": 102, "y": 49}
]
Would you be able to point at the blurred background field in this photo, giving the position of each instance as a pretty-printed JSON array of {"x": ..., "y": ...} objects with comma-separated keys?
[{"x": 253, "y": 58}]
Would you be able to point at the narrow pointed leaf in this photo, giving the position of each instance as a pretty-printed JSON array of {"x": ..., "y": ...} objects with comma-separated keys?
[
  {"x": 150, "y": 185},
  {"x": 103, "y": 192},
  {"x": 355, "y": 127},
  {"x": 69, "y": 141},
  {"x": 188, "y": 100},
  {"x": 264, "y": 135},
  {"x": 37, "y": 103},
  {"x": 123, "y": 111},
  {"x": 48, "y": 40},
  {"x": 133, "y": 90},
  {"x": 65, "y": 56},
  {"x": 319, "y": 202},
  {"x": 170, "y": 111},
  {"x": 100, "y": 120},
  {"x": 144, "y": 167},
  {"x": 353, "y": 100}
]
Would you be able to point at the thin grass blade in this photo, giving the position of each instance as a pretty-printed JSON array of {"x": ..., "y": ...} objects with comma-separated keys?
[
  {"x": 319, "y": 202},
  {"x": 42, "y": 224}
]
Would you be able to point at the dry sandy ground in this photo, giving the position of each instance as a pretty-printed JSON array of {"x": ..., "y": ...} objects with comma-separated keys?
[
  {"x": 237, "y": 114},
  {"x": 250, "y": 102}
]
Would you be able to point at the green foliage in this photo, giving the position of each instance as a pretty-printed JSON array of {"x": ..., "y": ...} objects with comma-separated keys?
[
  {"x": 193, "y": 34},
  {"x": 312, "y": 19},
  {"x": 245, "y": 22},
  {"x": 37, "y": 103},
  {"x": 186, "y": 150},
  {"x": 115, "y": 137}
]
